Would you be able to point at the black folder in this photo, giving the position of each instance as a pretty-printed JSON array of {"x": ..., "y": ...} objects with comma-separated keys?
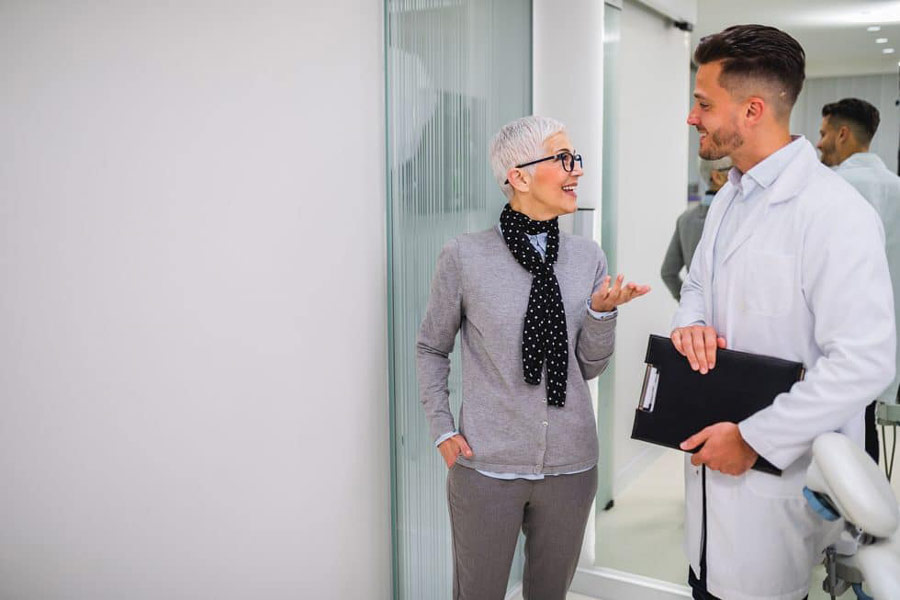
[{"x": 677, "y": 402}]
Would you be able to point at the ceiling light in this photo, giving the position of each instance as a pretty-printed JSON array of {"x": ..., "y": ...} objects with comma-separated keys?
[
  {"x": 874, "y": 28},
  {"x": 881, "y": 41},
  {"x": 841, "y": 14},
  {"x": 888, "y": 51}
]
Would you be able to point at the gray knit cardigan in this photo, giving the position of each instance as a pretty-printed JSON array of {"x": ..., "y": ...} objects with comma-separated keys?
[{"x": 480, "y": 291}]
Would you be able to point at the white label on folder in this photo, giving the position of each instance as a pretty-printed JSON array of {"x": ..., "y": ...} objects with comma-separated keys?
[{"x": 649, "y": 398}]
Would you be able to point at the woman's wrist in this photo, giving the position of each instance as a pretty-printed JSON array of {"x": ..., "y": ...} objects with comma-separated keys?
[{"x": 603, "y": 308}]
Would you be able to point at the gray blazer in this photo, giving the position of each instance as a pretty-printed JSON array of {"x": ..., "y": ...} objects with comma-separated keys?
[{"x": 482, "y": 292}]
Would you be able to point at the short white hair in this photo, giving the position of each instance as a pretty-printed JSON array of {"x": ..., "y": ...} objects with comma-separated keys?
[
  {"x": 520, "y": 142},
  {"x": 708, "y": 166}
]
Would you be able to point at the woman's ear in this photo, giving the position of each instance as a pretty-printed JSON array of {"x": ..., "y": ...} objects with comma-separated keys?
[
  {"x": 517, "y": 179},
  {"x": 719, "y": 177}
]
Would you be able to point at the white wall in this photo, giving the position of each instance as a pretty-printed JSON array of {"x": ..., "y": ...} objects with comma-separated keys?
[
  {"x": 652, "y": 157},
  {"x": 192, "y": 315},
  {"x": 568, "y": 80}
]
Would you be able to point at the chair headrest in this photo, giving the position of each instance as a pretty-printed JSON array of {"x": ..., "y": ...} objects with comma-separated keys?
[{"x": 855, "y": 485}]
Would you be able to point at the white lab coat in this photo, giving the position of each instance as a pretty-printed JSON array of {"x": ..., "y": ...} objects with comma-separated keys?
[
  {"x": 866, "y": 172},
  {"x": 804, "y": 278}
]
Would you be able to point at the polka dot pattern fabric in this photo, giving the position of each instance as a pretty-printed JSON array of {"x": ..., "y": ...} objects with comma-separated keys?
[{"x": 544, "y": 336}]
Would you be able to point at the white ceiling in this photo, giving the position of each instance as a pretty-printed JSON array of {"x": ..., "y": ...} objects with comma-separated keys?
[{"x": 832, "y": 32}]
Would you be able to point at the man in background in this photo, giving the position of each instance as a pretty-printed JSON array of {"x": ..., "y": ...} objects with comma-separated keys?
[
  {"x": 689, "y": 226},
  {"x": 848, "y": 127}
]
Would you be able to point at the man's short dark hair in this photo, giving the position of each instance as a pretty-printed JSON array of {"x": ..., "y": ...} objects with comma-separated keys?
[
  {"x": 756, "y": 52},
  {"x": 859, "y": 115}
]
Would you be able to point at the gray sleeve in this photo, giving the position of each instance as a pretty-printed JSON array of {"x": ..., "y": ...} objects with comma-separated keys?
[
  {"x": 597, "y": 337},
  {"x": 671, "y": 266},
  {"x": 436, "y": 338}
]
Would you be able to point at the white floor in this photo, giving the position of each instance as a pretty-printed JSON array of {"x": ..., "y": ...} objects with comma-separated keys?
[
  {"x": 643, "y": 532},
  {"x": 569, "y": 596}
]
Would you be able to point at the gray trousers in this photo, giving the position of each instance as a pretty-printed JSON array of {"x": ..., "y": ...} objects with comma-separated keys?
[{"x": 486, "y": 515}]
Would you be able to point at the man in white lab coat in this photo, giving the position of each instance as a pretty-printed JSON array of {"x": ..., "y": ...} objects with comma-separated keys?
[
  {"x": 848, "y": 127},
  {"x": 791, "y": 264}
]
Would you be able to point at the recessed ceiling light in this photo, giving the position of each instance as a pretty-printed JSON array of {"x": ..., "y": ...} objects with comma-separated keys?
[
  {"x": 873, "y": 28},
  {"x": 881, "y": 41},
  {"x": 888, "y": 51}
]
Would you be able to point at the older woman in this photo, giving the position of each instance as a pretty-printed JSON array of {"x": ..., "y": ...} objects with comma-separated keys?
[{"x": 537, "y": 315}]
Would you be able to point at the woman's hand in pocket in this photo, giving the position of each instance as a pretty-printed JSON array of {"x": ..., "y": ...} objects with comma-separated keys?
[{"x": 452, "y": 447}]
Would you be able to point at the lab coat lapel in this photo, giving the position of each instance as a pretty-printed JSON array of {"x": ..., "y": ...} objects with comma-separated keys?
[
  {"x": 785, "y": 187},
  {"x": 711, "y": 228},
  {"x": 748, "y": 227}
]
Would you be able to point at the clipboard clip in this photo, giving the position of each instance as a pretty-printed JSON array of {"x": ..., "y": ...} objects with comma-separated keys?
[{"x": 648, "y": 391}]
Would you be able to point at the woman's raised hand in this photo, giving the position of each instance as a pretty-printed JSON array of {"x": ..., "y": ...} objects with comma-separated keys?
[{"x": 612, "y": 295}]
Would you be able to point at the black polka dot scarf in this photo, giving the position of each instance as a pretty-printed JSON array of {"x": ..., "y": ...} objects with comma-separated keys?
[{"x": 545, "y": 334}]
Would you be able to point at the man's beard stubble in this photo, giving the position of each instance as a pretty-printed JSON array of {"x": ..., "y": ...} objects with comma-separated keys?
[
  {"x": 721, "y": 144},
  {"x": 827, "y": 157}
]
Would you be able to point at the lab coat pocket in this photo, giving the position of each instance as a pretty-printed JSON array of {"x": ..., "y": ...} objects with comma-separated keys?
[
  {"x": 788, "y": 485},
  {"x": 768, "y": 284}
]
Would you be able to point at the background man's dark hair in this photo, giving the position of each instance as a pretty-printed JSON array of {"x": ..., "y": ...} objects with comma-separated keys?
[
  {"x": 757, "y": 52},
  {"x": 859, "y": 115}
]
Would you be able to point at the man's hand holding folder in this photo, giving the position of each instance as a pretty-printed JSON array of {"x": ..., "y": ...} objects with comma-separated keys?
[
  {"x": 698, "y": 343},
  {"x": 724, "y": 449},
  {"x": 696, "y": 405}
]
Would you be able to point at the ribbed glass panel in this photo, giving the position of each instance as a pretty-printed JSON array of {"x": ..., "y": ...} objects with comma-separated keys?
[{"x": 456, "y": 72}]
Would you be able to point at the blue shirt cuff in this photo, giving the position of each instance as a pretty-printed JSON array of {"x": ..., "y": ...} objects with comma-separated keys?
[
  {"x": 444, "y": 438},
  {"x": 602, "y": 316}
]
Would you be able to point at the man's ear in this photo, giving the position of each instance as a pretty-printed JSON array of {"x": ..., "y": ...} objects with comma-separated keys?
[
  {"x": 755, "y": 109},
  {"x": 719, "y": 177},
  {"x": 843, "y": 134},
  {"x": 518, "y": 180}
]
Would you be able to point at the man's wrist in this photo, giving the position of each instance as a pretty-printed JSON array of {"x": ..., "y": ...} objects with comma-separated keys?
[{"x": 749, "y": 450}]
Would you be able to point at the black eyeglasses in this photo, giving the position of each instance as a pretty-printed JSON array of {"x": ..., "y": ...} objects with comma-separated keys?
[{"x": 567, "y": 159}]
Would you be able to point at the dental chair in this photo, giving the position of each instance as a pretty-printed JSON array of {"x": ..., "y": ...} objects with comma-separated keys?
[{"x": 843, "y": 482}]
